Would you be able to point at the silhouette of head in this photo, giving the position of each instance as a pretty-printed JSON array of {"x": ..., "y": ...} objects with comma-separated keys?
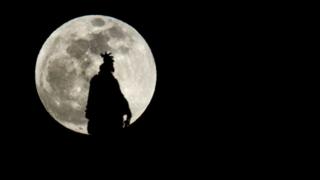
[{"x": 107, "y": 64}]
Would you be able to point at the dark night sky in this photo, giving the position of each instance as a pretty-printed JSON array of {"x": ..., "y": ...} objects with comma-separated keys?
[{"x": 207, "y": 94}]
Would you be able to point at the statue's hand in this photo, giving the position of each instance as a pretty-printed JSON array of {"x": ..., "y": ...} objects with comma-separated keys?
[
  {"x": 126, "y": 123},
  {"x": 127, "y": 120}
]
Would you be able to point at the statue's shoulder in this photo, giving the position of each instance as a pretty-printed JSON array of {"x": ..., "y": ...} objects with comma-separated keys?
[{"x": 94, "y": 78}]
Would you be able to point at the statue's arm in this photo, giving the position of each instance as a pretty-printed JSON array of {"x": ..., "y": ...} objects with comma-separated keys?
[
  {"x": 129, "y": 115},
  {"x": 91, "y": 100}
]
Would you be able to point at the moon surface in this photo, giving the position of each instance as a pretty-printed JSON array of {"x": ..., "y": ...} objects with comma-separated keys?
[{"x": 70, "y": 57}]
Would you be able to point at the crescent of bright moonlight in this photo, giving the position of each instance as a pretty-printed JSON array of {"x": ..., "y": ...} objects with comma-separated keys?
[{"x": 70, "y": 57}]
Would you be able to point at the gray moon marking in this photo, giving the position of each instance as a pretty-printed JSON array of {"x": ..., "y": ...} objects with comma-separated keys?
[{"x": 70, "y": 57}]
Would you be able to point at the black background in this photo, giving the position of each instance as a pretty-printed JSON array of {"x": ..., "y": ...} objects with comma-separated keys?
[{"x": 207, "y": 101}]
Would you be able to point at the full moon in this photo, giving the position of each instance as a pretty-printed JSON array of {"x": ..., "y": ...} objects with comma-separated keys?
[{"x": 70, "y": 57}]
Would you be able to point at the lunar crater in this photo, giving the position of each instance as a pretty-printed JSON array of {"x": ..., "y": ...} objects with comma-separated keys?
[
  {"x": 99, "y": 43},
  {"x": 78, "y": 48},
  {"x": 98, "y": 22},
  {"x": 116, "y": 32}
]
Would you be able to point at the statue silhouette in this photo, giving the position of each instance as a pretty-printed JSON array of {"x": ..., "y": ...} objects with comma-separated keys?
[{"x": 107, "y": 109}]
